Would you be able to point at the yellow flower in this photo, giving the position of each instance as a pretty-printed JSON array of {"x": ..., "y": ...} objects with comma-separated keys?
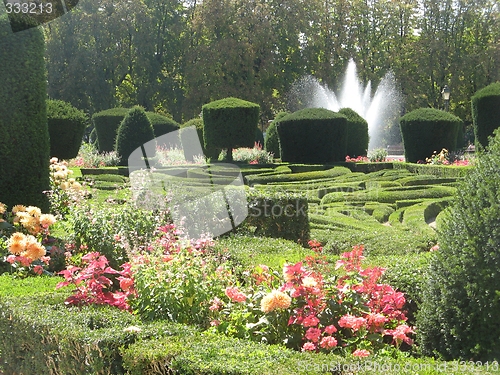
[
  {"x": 46, "y": 220},
  {"x": 275, "y": 300},
  {"x": 18, "y": 208},
  {"x": 3, "y": 208},
  {"x": 17, "y": 243},
  {"x": 76, "y": 186},
  {"x": 34, "y": 250},
  {"x": 33, "y": 211}
]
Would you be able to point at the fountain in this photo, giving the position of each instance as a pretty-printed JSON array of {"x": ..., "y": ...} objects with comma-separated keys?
[{"x": 378, "y": 110}]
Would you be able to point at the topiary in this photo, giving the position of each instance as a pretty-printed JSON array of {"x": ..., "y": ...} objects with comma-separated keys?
[
  {"x": 272, "y": 142},
  {"x": 357, "y": 133},
  {"x": 134, "y": 131},
  {"x": 211, "y": 153},
  {"x": 313, "y": 135},
  {"x": 229, "y": 123},
  {"x": 486, "y": 112},
  {"x": 66, "y": 128},
  {"x": 24, "y": 135},
  {"x": 461, "y": 299},
  {"x": 106, "y": 124},
  {"x": 426, "y": 130},
  {"x": 163, "y": 125}
]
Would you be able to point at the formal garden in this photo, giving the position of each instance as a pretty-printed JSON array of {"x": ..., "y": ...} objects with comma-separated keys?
[{"x": 339, "y": 260}]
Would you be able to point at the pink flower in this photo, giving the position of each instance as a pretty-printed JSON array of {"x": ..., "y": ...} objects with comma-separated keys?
[
  {"x": 11, "y": 259},
  {"x": 376, "y": 320},
  {"x": 310, "y": 321},
  {"x": 328, "y": 342},
  {"x": 45, "y": 259},
  {"x": 216, "y": 304},
  {"x": 38, "y": 269},
  {"x": 308, "y": 346},
  {"x": 350, "y": 321},
  {"x": 313, "y": 334},
  {"x": 25, "y": 262},
  {"x": 330, "y": 329},
  {"x": 126, "y": 283},
  {"x": 215, "y": 323},
  {"x": 291, "y": 272},
  {"x": 400, "y": 334},
  {"x": 234, "y": 294},
  {"x": 361, "y": 353}
]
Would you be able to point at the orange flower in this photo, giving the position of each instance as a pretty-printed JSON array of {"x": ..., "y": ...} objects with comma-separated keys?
[
  {"x": 33, "y": 211},
  {"x": 34, "y": 250},
  {"x": 3, "y": 208},
  {"x": 46, "y": 220},
  {"x": 275, "y": 300},
  {"x": 17, "y": 243},
  {"x": 18, "y": 208}
]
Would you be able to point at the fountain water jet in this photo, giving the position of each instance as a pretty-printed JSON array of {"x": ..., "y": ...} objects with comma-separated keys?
[{"x": 379, "y": 111}]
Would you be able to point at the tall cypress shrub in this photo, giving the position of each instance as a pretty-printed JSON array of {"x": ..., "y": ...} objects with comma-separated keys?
[
  {"x": 486, "y": 113},
  {"x": 134, "y": 131},
  {"x": 24, "y": 135},
  {"x": 460, "y": 311}
]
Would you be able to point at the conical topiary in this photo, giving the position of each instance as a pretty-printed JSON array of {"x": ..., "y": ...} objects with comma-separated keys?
[{"x": 134, "y": 131}]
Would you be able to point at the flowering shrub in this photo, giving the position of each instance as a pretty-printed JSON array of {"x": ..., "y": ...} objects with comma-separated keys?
[
  {"x": 64, "y": 191},
  {"x": 377, "y": 155},
  {"x": 175, "y": 156},
  {"x": 89, "y": 157},
  {"x": 255, "y": 155},
  {"x": 23, "y": 233},
  {"x": 446, "y": 158},
  {"x": 346, "y": 313},
  {"x": 359, "y": 159},
  {"x": 94, "y": 284}
]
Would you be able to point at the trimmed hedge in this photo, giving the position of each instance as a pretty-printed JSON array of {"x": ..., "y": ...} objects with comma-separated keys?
[
  {"x": 426, "y": 130},
  {"x": 313, "y": 135},
  {"x": 357, "y": 133},
  {"x": 134, "y": 131},
  {"x": 486, "y": 113},
  {"x": 163, "y": 125},
  {"x": 285, "y": 176},
  {"x": 278, "y": 215},
  {"x": 460, "y": 309},
  {"x": 24, "y": 134},
  {"x": 209, "y": 152},
  {"x": 66, "y": 128},
  {"x": 106, "y": 124},
  {"x": 272, "y": 142},
  {"x": 230, "y": 123}
]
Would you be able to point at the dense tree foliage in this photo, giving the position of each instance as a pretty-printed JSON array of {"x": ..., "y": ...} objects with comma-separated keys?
[{"x": 173, "y": 56}]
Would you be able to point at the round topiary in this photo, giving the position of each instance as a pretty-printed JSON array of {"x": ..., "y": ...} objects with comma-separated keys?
[
  {"x": 211, "y": 153},
  {"x": 106, "y": 124},
  {"x": 313, "y": 135},
  {"x": 163, "y": 125},
  {"x": 461, "y": 300},
  {"x": 357, "y": 133},
  {"x": 24, "y": 134},
  {"x": 486, "y": 113},
  {"x": 426, "y": 130},
  {"x": 66, "y": 128},
  {"x": 230, "y": 123},
  {"x": 272, "y": 142},
  {"x": 134, "y": 131}
]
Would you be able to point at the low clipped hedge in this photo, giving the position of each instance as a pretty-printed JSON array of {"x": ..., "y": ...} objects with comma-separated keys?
[
  {"x": 486, "y": 113},
  {"x": 66, "y": 128},
  {"x": 357, "y": 133},
  {"x": 313, "y": 135},
  {"x": 440, "y": 171},
  {"x": 279, "y": 215},
  {"x": 426, "y": 130},
  {"x": 301, "y": 176}
]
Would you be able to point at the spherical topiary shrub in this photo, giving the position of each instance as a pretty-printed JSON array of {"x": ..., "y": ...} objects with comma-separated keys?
[
  {"x": 106, "y": 124},
  {"x": 211, "y": 153},
  {"x": 24, "y": 134},
  {"x": 357, "y": 133},
  {"x": 271, "y": 141},
  {"x": 426, "y": 130},
  {"x": 134, "y": 131},
  {"x": 486, "y": 112},
  {"x": 163, "y": 125},
  {"x": 313, "y": 135},
  {"x": 66, "y": 128},
  {"x": 230, "y": 123},
  {"x": 461, "y": 300}
]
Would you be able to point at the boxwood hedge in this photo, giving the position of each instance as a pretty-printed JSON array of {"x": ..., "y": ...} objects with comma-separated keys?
[
  {"x": 357, "y": 133},
  {"x": 486, "y": 113}
]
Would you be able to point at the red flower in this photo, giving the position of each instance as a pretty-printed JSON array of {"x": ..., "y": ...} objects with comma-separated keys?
[
  {"x": 328, "y": 342},
  {"x": 313, "y": 334},
  {"x": 310, "y": 321}
]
